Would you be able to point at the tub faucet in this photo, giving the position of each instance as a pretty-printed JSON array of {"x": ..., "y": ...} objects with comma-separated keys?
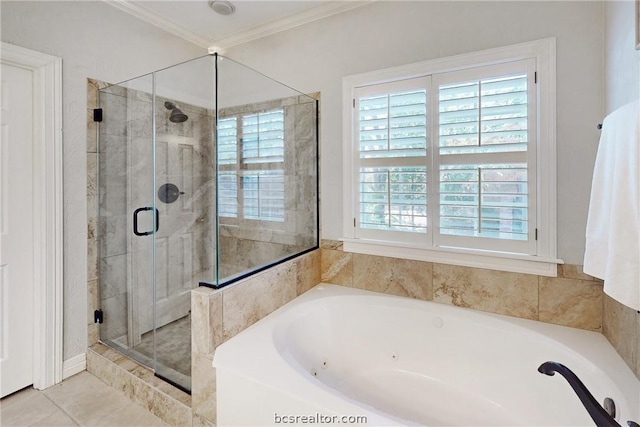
[{"x": 600, "y": 416}]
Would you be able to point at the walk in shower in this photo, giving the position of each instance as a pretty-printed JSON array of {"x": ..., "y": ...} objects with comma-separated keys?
[{"x": 207, "y": 173}]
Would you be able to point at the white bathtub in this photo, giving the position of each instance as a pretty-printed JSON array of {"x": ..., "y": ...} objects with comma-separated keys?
[{"x": 337, "y": 351}]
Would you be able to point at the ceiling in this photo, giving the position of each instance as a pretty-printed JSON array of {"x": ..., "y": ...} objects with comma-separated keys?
[{"x": 195, "y": 21}]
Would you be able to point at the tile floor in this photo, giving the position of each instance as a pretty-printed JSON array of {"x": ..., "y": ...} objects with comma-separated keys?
[{"x": 81, "y": 400}]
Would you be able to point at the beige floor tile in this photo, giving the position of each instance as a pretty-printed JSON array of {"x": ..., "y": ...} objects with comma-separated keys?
[
  {"x": 82, "y": 400},
  {"x": 132, "y": 415},
  {"x": 57, "y": 419},
  {"x": 92, "y": 403},
  {"x": 85, "y": 398},
  {"x": 25, "y": 408}
]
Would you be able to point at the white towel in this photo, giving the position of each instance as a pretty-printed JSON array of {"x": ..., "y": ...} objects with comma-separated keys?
[{"x": 612, "y": 250}]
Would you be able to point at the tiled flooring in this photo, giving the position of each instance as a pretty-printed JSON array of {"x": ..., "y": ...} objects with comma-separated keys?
[{"x": 81, "y": 400}]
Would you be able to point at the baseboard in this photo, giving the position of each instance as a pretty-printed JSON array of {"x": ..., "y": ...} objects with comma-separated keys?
[{"x": 74, "y": 365}]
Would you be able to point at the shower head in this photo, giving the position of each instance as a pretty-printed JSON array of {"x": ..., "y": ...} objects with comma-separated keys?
[{"x": 177, "y": 116}]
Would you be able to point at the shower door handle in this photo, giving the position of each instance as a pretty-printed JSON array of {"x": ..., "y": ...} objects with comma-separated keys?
[{"x": 135, "y": 221}]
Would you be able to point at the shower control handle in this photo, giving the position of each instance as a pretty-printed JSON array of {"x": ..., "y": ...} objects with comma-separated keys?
[{"x": 135, "y": 221}]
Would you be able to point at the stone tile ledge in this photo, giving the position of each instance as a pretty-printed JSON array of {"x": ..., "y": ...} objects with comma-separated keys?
[{"x": 139, "y": 384}]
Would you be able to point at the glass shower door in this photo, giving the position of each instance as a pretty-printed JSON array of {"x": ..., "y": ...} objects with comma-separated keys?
[
  {"x": 127, "y": 215},
  {"x": 184, "y": 194}
]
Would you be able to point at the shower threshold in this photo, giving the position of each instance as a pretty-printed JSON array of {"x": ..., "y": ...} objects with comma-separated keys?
[{"x": 173, "y": 352}]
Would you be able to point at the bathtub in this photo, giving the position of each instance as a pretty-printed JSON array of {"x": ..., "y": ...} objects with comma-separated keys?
[{"x": 339, "y": 355}]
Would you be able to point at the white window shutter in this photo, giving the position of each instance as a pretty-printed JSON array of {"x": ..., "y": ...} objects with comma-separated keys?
[
  {"x": 392, "y": 137},
  {"x": 485, "y": 128},
  {"x": 255, "y": 141}
]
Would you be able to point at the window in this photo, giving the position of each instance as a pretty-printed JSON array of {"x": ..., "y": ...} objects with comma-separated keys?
[
  {"x": 251, "y": 166},
  {"x": 446, "y": 165}
]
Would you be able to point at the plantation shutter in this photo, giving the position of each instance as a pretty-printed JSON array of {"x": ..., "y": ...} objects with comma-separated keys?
[
  {"x": 263, "y": 165},
  {"x": 228, "y": 194},
  {"x": 254, "y": 170},
  {"x": 485, "y": 162},
  {"x": 263, "y": 137},
  {"x": 391, "y": 144},
  {"x": 263, "y": 195},
  {"x": 227, "y": 182}
]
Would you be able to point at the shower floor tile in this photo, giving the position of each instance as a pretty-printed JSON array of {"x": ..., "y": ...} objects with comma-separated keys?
[{"x": 173, "y": 345}]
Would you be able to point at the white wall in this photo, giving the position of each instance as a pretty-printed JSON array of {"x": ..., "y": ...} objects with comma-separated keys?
[
  {"x": 98, "y": 41},
  {"x": 315, "y": 57},
  {"x": 622, "y": 61}
]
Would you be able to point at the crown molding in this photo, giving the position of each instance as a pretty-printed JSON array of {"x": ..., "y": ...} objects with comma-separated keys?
[
  {"x": 305, "y": 17},
  {"x": 159, "y": 21},
  {"x": 292, "y": 21}
]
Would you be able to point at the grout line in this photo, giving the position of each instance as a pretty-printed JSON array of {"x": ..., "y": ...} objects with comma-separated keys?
[{"x": 60, "y": 408}]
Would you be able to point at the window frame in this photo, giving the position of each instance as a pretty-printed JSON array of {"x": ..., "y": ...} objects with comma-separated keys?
[{"x": 544, "y": 259}]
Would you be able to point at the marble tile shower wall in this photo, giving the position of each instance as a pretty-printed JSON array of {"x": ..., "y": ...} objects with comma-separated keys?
[{"x": 93, "y": 301}]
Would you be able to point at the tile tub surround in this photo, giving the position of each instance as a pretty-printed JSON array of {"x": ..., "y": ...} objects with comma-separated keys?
[
  {"x": 572, "y": 299},
  {"x": 621, "y": 326},
  {"x": 219, "y": 314}
]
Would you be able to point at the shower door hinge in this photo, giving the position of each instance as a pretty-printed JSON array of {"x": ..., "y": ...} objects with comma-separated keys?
[
  {"x": 535, "y": 77},
  {"x": 98, "y": 317},
  {"x": 97, "y": 114},
  {"x": 536, "y": 234}
]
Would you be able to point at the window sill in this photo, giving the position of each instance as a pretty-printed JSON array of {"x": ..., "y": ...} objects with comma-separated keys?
[{"x": 515, "y": 263}]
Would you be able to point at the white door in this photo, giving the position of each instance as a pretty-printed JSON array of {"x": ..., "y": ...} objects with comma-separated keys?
[{"x": 16, "y": 230}]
